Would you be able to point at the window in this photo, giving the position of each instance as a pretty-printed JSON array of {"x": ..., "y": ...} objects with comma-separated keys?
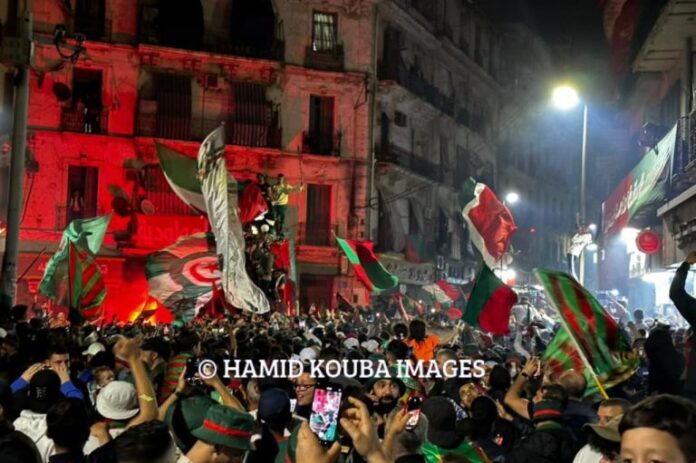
[
  {"x": 251, "y": 115},
  {"x": 321, "y": 115},
  {"x": 173, "y": 106},
  {"x": 318, "y": 223},
  {"x": 316, "y": 289},
  {"x": 161, "y": 195},
  {"x": 324, "y": 32},
  {"x": 89, "y": 18},
  {"x": 86, "y": 113},
  {"x": 82, "y": 193}
]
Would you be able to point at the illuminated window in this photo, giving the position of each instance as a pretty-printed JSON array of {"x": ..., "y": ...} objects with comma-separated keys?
[{"x": 324, "y": 32}]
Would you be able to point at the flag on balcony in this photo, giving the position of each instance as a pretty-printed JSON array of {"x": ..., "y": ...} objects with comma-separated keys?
[
  {"x": 590, "y": 340},
  {"x": 252, "y": 204},
  {"x": 180, "y": 172},
  {"x": 490, "y": 303},
  {"x": 220, "y": 196},
  {"x": 86, "y": 289},
  {"x": 489, "y": 221},
  {"x": 366, "y": 265},
  {"x": 88, "y": 235},
  {"x": 182, "y": 275}
]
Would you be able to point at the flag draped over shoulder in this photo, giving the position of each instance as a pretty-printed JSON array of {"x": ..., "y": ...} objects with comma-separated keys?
[
  {"x": 182, "y": 275},
  {"x": 368, "y": 269},
  {"x": 490, "y": 303},
  {"x": 87, "y": 235},
  {"x": 86, "y": 287},
  {"x": 220, "y": 196},
  {"x": 180, "y": 172},
  {"x": 489, "y": 221},
  {"x": 590, "y": 340}
]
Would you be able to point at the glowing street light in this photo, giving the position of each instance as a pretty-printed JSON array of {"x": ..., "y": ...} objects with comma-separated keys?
[
  {"x": 512, "y": 197},
  {"x": 593, "y": 227},
  {"x": 592, "y": 247},
  {"x": 565, "y": 97}
]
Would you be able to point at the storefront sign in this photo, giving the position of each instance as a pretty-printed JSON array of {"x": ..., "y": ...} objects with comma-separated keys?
[
  {"x": 641, "y": 187},
  {"x": 408, "y": 272},
  {"x": 648, "y": 242},
  {"x": 160, "y": 231}
]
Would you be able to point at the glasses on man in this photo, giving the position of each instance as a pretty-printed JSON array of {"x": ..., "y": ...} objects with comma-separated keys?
[{"x": 304, "y": 387}]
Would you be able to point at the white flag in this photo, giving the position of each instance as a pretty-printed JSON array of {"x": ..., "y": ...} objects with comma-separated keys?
[{"x": 220, "y": 196}]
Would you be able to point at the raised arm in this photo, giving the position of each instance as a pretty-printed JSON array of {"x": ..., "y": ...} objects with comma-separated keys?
[
  {"x": 686, "y": 304},
  {"x": 513, "y": 397},
  {"x": 129, "y": 349}
]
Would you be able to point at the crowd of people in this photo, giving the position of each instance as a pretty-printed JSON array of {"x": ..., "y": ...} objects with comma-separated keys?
[{"x": 133, "y": 393}]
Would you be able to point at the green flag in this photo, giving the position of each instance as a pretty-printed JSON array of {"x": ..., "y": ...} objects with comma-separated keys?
[
  {"x": 87, "y": 234},
  {"x": 366, "y": 265}
]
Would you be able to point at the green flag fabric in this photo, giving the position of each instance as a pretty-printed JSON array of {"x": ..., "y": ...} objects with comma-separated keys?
[
  {"x": 88, "y": 235},
  {"x": 368, "y": 269},
  {"x": 180, "y": 172},
  {"x": 490, "y": 303},
  {"x": 590, "y": 340},
  {"x": 86, "y": 284}
]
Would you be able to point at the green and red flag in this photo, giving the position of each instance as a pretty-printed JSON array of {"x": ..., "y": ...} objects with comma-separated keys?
[
  {"x": 490, "y": 303},
  {"x": 489, "y": 221},
  {"x": 366, "y": 265},
  {"x": 443, "y": 292},
  {"x": 182, "y": 276},
  {"x": 86, "y": 289},
  {"x": 590, "y": 340}
]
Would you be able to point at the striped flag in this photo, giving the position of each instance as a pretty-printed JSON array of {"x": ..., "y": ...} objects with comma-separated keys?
[
  {"x": 489, "y": 221},
  {"x": 180, "y": 172},
  {"x": 366, "y": 265},
  {"x": 85, "y": 283},
  {"x": 590, "y": 340},
  {"x": 443, "y": 292}
]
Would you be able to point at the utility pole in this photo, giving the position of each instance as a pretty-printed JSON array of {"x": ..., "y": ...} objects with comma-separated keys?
[{"x": 16, "y": 51}]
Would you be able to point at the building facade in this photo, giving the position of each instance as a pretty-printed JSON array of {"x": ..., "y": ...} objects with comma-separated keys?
[{"x": 290, "y": 79}]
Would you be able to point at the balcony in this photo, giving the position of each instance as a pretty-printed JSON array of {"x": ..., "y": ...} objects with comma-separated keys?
[
  {"x": 416, "y": 164},
  {"x": 325, "y": 144},
  {"x": 415, "y": 84},
  {"x": 317, "y": 234},
  {"x": 151, "y": 124},
  {"x": 327, "y": 60},
  {"x": 275, "y": 51},
  {"x": 74, "y": 120}
]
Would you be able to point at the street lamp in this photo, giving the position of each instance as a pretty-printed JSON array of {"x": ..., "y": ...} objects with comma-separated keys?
[{"x": 512, "y": 198}]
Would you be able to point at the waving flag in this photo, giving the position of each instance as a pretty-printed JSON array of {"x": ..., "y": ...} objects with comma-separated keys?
[
  {"x": 182, "y": 276},
  {"x": 368, "y": 269},
  {"x": 489, "y": 221},
  {"x": 85, "y": 282},
  {"x": 252, "y": 204},
  {"x": 490, "y": 303},
  {"x": 590, "y": 340},
  {"x": 180, "y": 172},
  {"x": 220, "y": 196},
  {"x": 443, "y": 292}
]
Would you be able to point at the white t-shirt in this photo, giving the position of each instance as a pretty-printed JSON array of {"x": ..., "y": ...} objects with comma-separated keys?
[{"x": 587, "y": 455}]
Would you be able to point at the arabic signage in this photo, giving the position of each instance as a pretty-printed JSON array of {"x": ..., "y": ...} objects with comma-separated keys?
[
  {"x": 408, "y": 272},
  {"x": 641, "y": 187}
]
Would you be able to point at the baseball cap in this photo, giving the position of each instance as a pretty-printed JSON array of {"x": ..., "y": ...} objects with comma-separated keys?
[
  {"x": 274, "y": 406},
  {"x": 118, "y": 401},
  {"x": 351, "y": 343},
  {"x": 308, "y": 354},
  {"x": 94, "y": 349},
  {"x": 157, "y": 345},
  {"x": 609, "y": 431},
  {"x": 44, "y": 391},
  {"x": 370, "y": 346}
]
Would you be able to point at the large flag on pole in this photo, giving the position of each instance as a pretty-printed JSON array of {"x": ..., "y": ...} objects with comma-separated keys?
[
  {"x": 182, "y": 275},
  {"x": 368, "y": 269},
  {"x": 489, "y": 221},
  {"x": 86, "y": 287},
  {"x": 589, "y": 340},
  {"x": 220, "y": 196},
  {"x": 88, "y": 235},
  {"x": 180, "y": 172},
  {"x": 490, "y": 303}
]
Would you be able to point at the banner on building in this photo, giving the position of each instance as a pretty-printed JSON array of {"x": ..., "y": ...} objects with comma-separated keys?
[
  {"x": 643, "y": 186},
  {"x": 409, "y": 272}
]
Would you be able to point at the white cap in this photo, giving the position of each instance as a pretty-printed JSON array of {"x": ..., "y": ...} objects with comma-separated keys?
[
  {"x": 351, "y": 343},
  {"x": 307, "y": 354},
  {"x": 3, "y": 333},
  {"x": 371, "y": 346},
  {"x": 118, "y": 401},
  {"x": 94, "y": 349}
]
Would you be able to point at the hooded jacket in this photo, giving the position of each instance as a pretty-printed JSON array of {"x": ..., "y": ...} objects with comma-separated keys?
[
  {"x": 33, "y": 425},
  {"x": 686, "y": 305}
]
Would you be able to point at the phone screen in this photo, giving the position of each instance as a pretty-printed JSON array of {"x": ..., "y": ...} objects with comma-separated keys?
[
  {"x": 413, "y": 407},
  {"x": 192, "y": 364},
  {"x": 325, "y": 407}
]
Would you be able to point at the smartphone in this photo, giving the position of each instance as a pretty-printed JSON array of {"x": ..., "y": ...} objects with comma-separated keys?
[
  {"x": 325, "y": 408},
  {"x": 302, "y": 324},
  {"x": 413, "y": 408},
  {"x": 293, "y": 405},
  {"x": 192, "y": 364}
]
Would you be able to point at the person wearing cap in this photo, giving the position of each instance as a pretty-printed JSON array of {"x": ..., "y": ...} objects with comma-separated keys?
[
  {"x": 224, "y": 436},
  {"x": 608, "y": 410},
  {"x": 443, "y": 435},
  {"x": 551, "y": 441},
  {"x": 42, "y": 392},
  {"x": 120, "y": 404},
  {"x": 67, "y": 387},
  {"x": 604, "y": 442},
  {"x": 155, "y": 353},
  {"x": 93, "y": 350},
  {"x": 276, "y": 418}
]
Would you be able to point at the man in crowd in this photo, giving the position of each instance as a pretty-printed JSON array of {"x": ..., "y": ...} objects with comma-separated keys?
[{"x": 686, "y": 305}]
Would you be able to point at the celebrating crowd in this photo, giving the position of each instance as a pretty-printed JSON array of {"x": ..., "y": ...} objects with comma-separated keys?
[{"x": 138, "y": 393}]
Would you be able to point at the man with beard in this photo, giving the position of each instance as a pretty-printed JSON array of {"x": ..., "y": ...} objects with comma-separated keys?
[{"x": 384, "y": 393}]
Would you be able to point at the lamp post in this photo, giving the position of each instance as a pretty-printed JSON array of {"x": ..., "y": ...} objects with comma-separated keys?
[
  {"x": 565, "y": 98},
  {"x": 509, "y": 199}
]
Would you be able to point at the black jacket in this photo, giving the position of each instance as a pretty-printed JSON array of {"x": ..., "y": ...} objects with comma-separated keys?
[
  {"x": 686, "y": 305},
  {"x": 555, "y": 445}
]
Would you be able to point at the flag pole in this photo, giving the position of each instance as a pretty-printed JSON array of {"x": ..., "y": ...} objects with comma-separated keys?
[{"x": 574, "y": 341}]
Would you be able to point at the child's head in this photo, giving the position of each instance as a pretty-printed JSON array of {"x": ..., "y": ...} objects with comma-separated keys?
[{"x": 103, "y": 376}]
